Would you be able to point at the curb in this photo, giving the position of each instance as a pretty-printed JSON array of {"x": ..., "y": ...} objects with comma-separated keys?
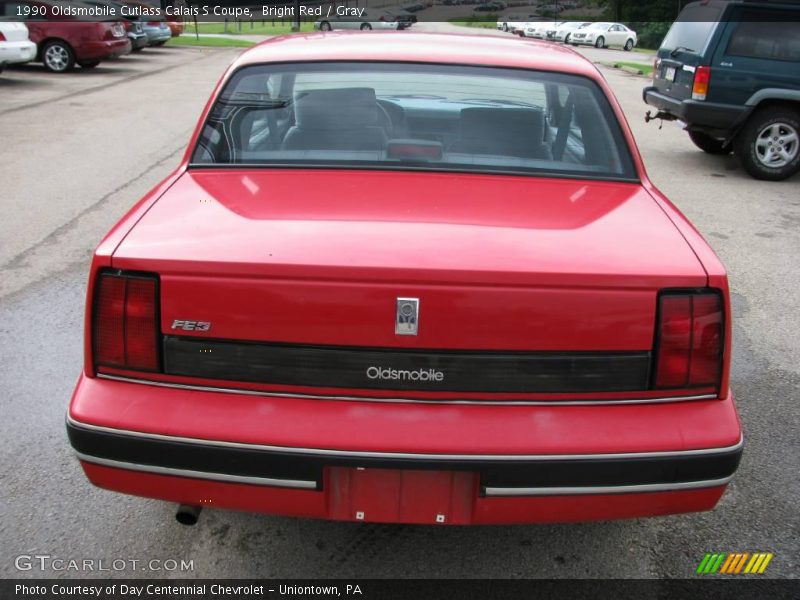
[{"x": 627, "y": 69}]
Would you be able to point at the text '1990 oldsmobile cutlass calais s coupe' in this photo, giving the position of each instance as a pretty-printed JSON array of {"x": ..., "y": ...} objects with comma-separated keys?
[{"x": 417, "y": 279}]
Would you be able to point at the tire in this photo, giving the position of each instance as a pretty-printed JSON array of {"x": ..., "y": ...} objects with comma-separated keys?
[
  {"x": 160, "y": 43},
  {"x": 768, "y": 146},
  {"x": 89, "y": 64},
  {"x": 137, "y": 49},
  {"x": 325, "y": 26},
  {"x": 628, "y": 45},
  {"x": 366, "y": 27},
  {"x": 708, "y": 144},
  {"x": 566, "y": 39},
  {"x": 600, "y": 42},
  {"x": 58, "y": 57}
]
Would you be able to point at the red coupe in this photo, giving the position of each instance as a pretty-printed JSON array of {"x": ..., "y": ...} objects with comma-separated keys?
[{"x": 413, "y": 279}]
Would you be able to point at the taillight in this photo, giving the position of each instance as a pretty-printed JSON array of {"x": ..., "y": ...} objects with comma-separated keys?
[
  {"x": 656, "y": 68},
  {"x": 702, "y": 77},
  {"x": 689, "y": 340},
  {"x": 2, "y": 37},
  {"x": 125, "y": 321}
]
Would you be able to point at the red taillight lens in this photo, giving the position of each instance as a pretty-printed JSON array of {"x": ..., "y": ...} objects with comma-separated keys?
[
  {"x": 702, "y": 77},
  {"x": 109, "y": 321},
  {"x": 689, "y": 340},
  {"x": 2, "y": 37},
  {"x": 125, "y": 326},
  {"x": 707, "y": 338}
]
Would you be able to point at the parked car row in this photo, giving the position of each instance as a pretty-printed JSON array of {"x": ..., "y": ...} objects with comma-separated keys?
[
  {"x": 577, "y": 33},
  {"x": 60, "y": 42},
  {"x": 379, "y": 19},
  {"x": 501, "y": 5}
]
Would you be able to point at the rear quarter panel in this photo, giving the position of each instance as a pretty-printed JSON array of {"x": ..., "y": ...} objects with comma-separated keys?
[{"x": 715, "y": 270}]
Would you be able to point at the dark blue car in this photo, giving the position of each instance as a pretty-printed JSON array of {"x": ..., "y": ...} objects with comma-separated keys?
[{"x": 731, "y": 72}]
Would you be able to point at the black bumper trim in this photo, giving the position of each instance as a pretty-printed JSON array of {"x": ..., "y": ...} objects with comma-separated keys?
[
  {"x": 407, "y": 369},
  {"x": 245, "y": 461},
  {"x": 711, "y": 115}
]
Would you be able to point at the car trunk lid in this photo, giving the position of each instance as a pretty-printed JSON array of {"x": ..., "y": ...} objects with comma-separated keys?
[
  {"x": 497, "y": 262},
  {"x": 13, "y": 32}
]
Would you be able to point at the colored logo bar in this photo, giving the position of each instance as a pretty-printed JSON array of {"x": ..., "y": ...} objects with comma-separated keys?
[{"x": 734, "y": 563}]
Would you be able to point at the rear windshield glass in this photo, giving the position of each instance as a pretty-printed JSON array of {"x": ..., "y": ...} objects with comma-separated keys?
[
  {"x": 411, "y": 116},
  {"x": 693, "y": 28}
]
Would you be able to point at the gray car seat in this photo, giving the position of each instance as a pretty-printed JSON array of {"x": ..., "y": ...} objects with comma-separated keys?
[
  {"x": 336, "y": 119},
  {"x": 515, "y": 132}
]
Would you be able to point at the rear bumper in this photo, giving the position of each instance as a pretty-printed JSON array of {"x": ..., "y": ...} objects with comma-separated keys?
[
  {"x": 505, "y": 464},
  {"x": 103, "y": 50},
  {"x": 707, "y": 115},
  {"x": 158, "y": 36},
  {"x": 17, "y": 52},
  {"x": 138, "y": 40}
]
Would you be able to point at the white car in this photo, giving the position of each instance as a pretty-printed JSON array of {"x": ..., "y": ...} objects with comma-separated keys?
[
  {"x": 377, "y": 19},
  {"x": 15, "y": 47},
  {"x": 538, "y": 29},
  {"x": 515, "y": 23},
  {"x": 602, "y": 35},
  {"x": 564, "y": 30}
]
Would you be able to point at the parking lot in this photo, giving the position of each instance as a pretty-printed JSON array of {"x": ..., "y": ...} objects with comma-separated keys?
[{"x": 79, "y": 149}]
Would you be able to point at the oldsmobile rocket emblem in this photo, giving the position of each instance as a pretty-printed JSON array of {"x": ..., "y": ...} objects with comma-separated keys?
[{"x": 406, "y": 320}]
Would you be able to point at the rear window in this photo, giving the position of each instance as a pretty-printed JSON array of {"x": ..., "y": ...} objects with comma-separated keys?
[
  {"x": 693, "y": 28},
  {"x": 412, "y": 116}
]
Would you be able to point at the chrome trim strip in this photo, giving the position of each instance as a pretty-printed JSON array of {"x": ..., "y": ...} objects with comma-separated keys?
[
  {"x": 611, "y": 489},
  {"x": 406, "y": 455},
  {"x": 201, "y": 388},
  {"x": 286, "y": 483}
]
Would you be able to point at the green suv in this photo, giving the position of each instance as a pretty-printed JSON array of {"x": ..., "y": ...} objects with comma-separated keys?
[{"x": 731, "y": 72}]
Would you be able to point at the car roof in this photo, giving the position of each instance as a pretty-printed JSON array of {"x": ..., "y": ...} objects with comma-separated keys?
[{"x": 441, "y": 48}]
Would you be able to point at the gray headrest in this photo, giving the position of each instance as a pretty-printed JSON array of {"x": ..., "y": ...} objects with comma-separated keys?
[
  {"x": 508, "y": 123},
  {"x": 343, "y": 108}
]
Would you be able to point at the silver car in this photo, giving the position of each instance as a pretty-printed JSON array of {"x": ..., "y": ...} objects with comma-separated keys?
[
  {"x": 157, "y": 30},
  {"x": 372, "y": 19}
]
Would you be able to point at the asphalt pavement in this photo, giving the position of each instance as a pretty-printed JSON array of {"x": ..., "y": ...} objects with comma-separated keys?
[{"x": 79, "y": 149}]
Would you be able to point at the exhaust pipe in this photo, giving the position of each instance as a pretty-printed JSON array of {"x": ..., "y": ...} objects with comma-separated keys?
[{"x": 187, "y": 514}]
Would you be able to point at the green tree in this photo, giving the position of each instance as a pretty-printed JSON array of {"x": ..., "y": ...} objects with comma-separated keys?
[{"x": 651, "y": 19}]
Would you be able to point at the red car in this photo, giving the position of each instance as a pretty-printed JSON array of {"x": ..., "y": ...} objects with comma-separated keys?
[
  {"x": 65, "y": 38},
  {"x": 417, "y": 280},
  {"x": 176, "y": 25}
]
